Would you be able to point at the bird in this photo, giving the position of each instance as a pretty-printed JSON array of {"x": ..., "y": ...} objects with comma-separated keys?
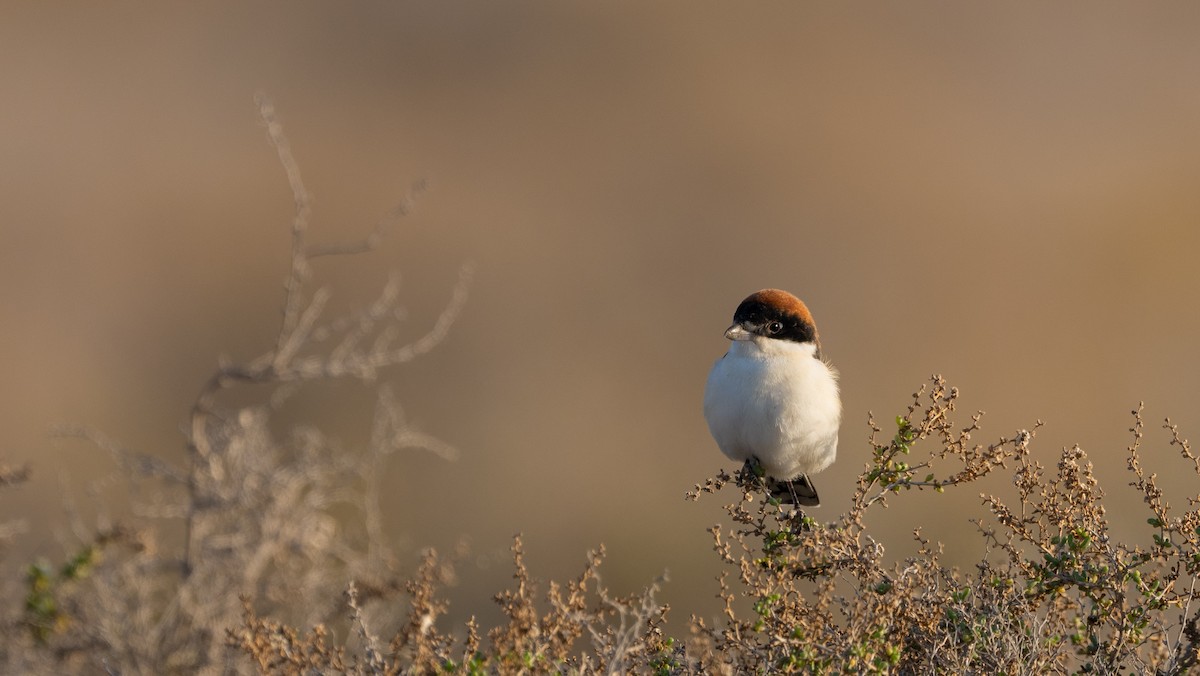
[{"x": 772, "y": 401}]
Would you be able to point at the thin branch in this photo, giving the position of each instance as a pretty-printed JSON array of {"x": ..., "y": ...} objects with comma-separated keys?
[
  {"x": 372, "y": 240},
  {"x": 299, "y": 270},
  {"x": 139, "y": 464},
  {"x": 301, "y": 328}
]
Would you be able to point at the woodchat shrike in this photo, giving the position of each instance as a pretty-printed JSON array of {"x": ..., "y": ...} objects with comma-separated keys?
[{"x": 772, "y": 400}]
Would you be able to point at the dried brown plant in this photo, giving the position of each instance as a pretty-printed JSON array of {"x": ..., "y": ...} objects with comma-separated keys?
[
  {"x": 1053, "y": 594},
  {"x": 255, "y": 514},
  {"x": 256, "y": 550},
  {"x": 1061, "y": 597}
]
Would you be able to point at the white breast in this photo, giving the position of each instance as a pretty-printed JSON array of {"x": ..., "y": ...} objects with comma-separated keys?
[{"x": 771, "y": 399}]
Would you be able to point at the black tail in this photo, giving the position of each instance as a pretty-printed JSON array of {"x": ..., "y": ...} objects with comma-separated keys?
[{"x": 798, "y": 491}]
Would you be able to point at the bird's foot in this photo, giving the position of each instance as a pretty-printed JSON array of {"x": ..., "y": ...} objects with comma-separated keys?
[
  {"x": 753, "y": 476},
  {"x": 753, "y": 468}
]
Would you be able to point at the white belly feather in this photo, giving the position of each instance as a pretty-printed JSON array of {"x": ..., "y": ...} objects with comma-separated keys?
[{"x": 773, "y": 400}]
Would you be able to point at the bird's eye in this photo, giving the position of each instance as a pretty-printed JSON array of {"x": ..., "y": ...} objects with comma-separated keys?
[{"x": 774, "y": 327}]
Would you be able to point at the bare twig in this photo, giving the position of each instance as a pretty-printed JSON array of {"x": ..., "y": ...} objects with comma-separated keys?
[
  {"x": 366, "y": 344},
  {"x": 136, "y": 463},
  {"x": 373, "y": 238},
  {"x": 299, "y": 270}
]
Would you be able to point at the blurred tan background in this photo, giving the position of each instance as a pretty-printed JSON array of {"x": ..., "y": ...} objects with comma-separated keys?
[{"x": 1007, "y": 194}]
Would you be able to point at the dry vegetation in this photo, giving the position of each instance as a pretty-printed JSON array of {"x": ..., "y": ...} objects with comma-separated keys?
[{"x": 262, "y": 579}]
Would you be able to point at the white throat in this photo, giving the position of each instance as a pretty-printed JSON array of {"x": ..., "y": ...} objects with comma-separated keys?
[{"x": 760, "y": 347}]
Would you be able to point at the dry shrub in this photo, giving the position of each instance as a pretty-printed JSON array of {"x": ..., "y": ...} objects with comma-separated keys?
[
  {"x": 1053, "y": 594},
  {"x": 1060, "y": 596},
  {"x": 245, "y": 512},
  {"x": 623, "y": 634},
  {"x": 259, "y": 551}
]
